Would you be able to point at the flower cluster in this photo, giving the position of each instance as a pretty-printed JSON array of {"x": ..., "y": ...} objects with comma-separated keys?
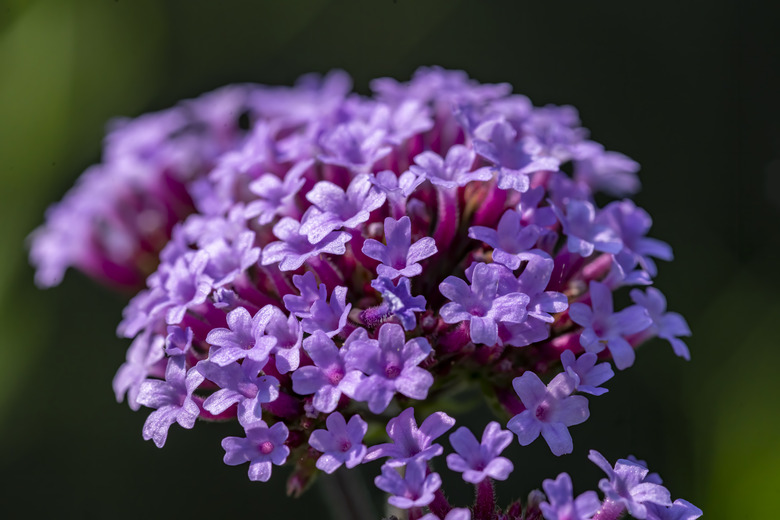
[{"x": 328, "y": 260}]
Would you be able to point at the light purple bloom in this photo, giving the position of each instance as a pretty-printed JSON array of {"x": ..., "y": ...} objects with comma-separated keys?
[
  {"x": 632, "y": 224},
  {"x": 626, "y": 485},
  {"x": 328, "y": 316},
  {"x": 459, "y": 513},
  {"x": 496, "y": 141},
  {"x": 245, "y": 338},
  {"x": 399, "y": 300},
  {"x": 293, "y": 248},
  {"x": 585, "y": 231},
  {"x": 330, "y": 376},
  {"x": 241, "y": 384},
  {"x": 610, "y": 172},
  {"x": 399, "y": 257},
  {"x": 341, "y": 443},
  {"x": 391, "y": 366},
  {"x": 409, "y": 442},
  {"x": 355, "y": 145},
  {"x": 415, "y": 489},
  {"x": 561, "y": 504},
  {"x": 550, "y": 410},
  {"x": 276, "y": 196},
  {"x": 452, "y": 171},
  {"x": 666, "y": 325},
  {"x": 187, "y": 285},
  {"x": 679, "y": 510},
  {"x": 178, "y": 341},
  {"x": 262, "y": 447},
  {"x": 604, "y": 327},
  {"x": 480, "y": 460},
  {"x": 587, "y": 375},
  {"x": 310, "y": 292},
  {"x": 288, "y": 333},
  {"x": 335, "y": 208},
  {"x": 508, "y": 239},
  {"x": 172, "y": 400},
  {"x": 144, "y": 355},
  {"x": 481, "y": 303}
]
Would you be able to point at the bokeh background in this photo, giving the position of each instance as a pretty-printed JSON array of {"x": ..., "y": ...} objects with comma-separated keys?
[{"x": 689, "y": 89}]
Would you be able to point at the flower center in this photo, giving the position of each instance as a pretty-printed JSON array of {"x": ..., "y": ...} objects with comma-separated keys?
[
  {"x": 266, "y": 447},
  {"x": 541, "y": 411},
  {"x": 345, "y": 446},
  {"x": 392, "y": 371},
  {"x": 335, "y": 376}
]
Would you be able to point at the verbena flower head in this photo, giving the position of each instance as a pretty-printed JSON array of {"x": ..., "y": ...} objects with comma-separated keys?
[{"x": 318, "y": 262}]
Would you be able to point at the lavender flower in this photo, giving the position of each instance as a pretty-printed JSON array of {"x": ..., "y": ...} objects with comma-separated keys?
[
  {"x": 341, "y": 443},
  {"x": 606, "y": 328},
  {"x": 415, "y": 489},
  {"x": 561, "y": 504},
  {"x": 480, "y": 460},
  {"x": 626, "y": 486},
  {"x": 262, "y": 447},
  {"x": 409, "y": 441},
  {"x": 172, "y": 400},
  {"x": 666, "y": 325},
  {"x": 399, "y": 257},
  {"x": 587, "y": 375},
  {"x": 549, "y": 410}
]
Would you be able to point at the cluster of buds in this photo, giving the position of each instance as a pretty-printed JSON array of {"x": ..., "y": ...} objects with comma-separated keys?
[{"x": 329, "y": 261}]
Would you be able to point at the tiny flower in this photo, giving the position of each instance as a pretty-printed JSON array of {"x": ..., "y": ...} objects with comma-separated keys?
[
  {"x": 450, "y": 172},
  {"x": 399, "y": 257},
  {"x": 330, "y": 376},
  {"x": 586, "y": 232},
  {"x": 276, "y": 196},
  {"x": 679, "y": 510},
  {"x": 262, "y": 447},
  {"x": 145, "y": 353},
  {"x": 626, "y": 485},
  {"x": 587, "y": 375},
  {"x": 561, "y": 504},
  {"x": 239, "y": 384},
  {"x": 409, "y": 441},
  {"x": 549, "y": 410},
  {"x": 481, "y": 303},
  {"x": 415, "y": 489},
  {"x": 399, "y": 300},
  {"x": 245, "y": 338},
  {"x": 391, "y": 366},
  {"x": 666, "y": 325},
  {"x": 508, "y": 239},
  {"x": 459, "y": 513},
  {"x": 172, "y": 400},
  {"x": 341, "y": 443},
  {"x": 480, "y": 460},
  {"x": 606, "y": 328},
  {"x": 293, "y": 248}
]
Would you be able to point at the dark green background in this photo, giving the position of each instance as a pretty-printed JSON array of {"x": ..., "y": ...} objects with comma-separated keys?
[{"x": 689, "y": 89}]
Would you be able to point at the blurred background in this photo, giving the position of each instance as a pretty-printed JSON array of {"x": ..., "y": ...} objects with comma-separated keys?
[{"x": 688, "y": 89}]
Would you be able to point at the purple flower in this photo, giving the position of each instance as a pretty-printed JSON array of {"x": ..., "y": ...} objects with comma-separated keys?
[
  {"x": 310, "y": 292},
  {"x": 245, "y": 338},
  {"x": 328, "y": 316},
  {"x": 626, "y": 485},
  {"x": 587, "y": 375},
  {"x": 415, "y": 489},
  {"x": 144, "y": 355},
  {"x": 508, "y": 239},
  {"x": 178, "y": 341},
  {"x": 409, "y": 442},
  {"x": 561, "y": 504},
  {"x": 459, "y": 513},
  {"x": 585, "y": 231},
  {"x": 549, "y": 410},
  {"x": 276, "y": 196},
  {"x": 262, "y": 447},
  {"x": 399, "y": 257},
  {"x": 399, "y": 300},
  {"x": 341, "y": 443},
  {"x": 603, "y": 327},
  {"x": 354, "y": 145},
  {"x": 480, "y": 460},
  {"x": 172, "y": 399},
  {"x": 187, "y": 285},
  {"x": 496, "y": 142},
  {"x": 391, "y": 366},
  {"x": 334, "y": 208},
  {"x": 679, "y": 510},
  {"x": 293, "y": 248},
  {"x": 632, "y": 224},
  {"x": 610, "y": 172},
  {"x": 330, "y": 376},
  {"x": 666, "y": 325},
  {"x": 452, "y": 171},
  {"x": 289, "y": 336},
  {"x": 481, "y": 303},
  {"x": 239, "y": 384}
]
